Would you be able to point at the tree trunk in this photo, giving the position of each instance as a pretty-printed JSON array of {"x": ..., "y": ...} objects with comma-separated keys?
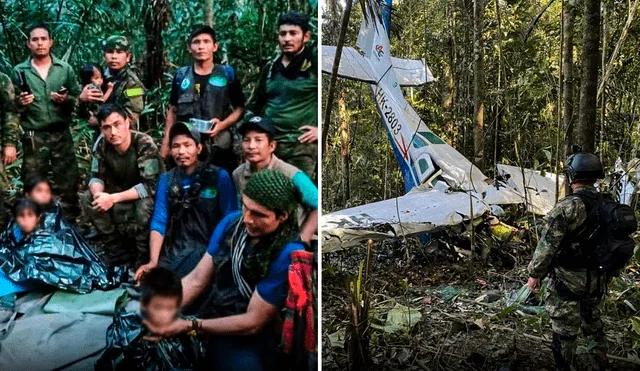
[
  {"x": 156, "y": 21},
  {"x": 344, "y": 140},
  {"x": 602, "y": 97},
  {"x": 334, "y": 74},
  {"x": 567, "y": 115},
  {"x": 447, "y": 103},
  {"x": 208, "y": 13},
  {"x": 586, "y": 134},
  {"x": 497, "y": 147},
  {"x": 478, "y": 85}
]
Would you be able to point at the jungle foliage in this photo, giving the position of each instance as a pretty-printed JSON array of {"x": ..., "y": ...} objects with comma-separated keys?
[
  {"x": 157, "y": 30},
  {"x": 523, "y": 110}
]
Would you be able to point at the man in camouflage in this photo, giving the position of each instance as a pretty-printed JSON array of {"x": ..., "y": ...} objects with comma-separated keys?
[
  {"x": 128, "y": 90},
  {"x": 10, "y": 132},
  {"x": 574, "y": 297},
  {"x": 125, "y": 170},
  {"x": 46, "y": 96}
]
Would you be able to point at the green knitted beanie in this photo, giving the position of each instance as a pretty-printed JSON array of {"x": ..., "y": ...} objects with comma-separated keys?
[{"x": 272, "y": 190}]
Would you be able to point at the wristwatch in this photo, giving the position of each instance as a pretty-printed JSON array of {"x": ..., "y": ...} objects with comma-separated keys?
[{"x": 194, "y": 327}]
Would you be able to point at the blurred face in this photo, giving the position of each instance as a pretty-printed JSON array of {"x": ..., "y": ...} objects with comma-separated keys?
[
  {"x": 39, "y": 43},
  {"x": 291, "y": 39},
  {"x": 162, "y": 310},
  {"x": 97, "y": 78},
  {"x": 260, "y": 221},
  {"x": 116, "y": 59},
  {"x": 27, "y": 220},
  {"x": 185, "y": 151},
  {"x": 203, "y": 47},
  {"x": 257, "y": 147},
  {"x": 41, "y": 194},
  {"x": 116, "y": 129}
]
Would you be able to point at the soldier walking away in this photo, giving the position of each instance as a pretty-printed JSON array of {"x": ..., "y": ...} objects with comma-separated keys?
[
  {"x": 287, "y": 93},
  {"x": 124, "y": 174},
  {"x": 210, "y": 92},
  {"x": 584, "y": 244},
  {"x": 47, "y": 90},
  {"x": 9, "y": 136},
  {"x": 128, "y": 91}
]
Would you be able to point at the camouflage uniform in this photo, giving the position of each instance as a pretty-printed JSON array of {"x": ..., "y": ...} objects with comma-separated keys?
[
  {"x": 139, "y": 168},
  {"x": 10, "y": 131},
  {"x": 574, "y": 298},
  {"x": 128, "y": 90}
]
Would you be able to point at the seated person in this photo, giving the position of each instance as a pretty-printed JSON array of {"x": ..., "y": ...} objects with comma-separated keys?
[
  {"x": 191, "y": 200},
  {"x": 54, "y": 257},
  {"x": 38, "y": 189},
  {"x": 125, "y": 169},
  {"x": 246, "y": 269},
  {"x": 27, "y": 215},
  {"x": 160, "y": 298},
  {"x": 258, "y": 147}
]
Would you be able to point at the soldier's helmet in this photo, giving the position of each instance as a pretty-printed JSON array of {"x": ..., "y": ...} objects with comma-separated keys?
[
  {"x": 583, "y": 166},
  {"x": 116, "y": 42}
]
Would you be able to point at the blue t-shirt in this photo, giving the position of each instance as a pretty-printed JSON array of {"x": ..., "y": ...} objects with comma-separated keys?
[
  {"x": 274, "y": 287},
  {"x": 226, "y": 192}
]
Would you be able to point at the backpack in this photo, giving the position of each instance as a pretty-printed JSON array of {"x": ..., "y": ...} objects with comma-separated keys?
[{"x": 604, "y": 238}]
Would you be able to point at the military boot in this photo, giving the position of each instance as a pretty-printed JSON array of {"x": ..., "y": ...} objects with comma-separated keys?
[{"x": 563, "y": 348}]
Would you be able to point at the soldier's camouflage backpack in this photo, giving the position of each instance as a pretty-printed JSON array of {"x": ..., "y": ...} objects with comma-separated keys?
[{"x": 603, "y": 242}]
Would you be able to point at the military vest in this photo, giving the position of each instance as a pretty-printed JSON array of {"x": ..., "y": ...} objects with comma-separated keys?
[
  {"x": 213, "y": 100},
  {"x": 194, "y": 214}
]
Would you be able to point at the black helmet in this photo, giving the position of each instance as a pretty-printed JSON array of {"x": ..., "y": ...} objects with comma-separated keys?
[{"x": 583, "y": 166}]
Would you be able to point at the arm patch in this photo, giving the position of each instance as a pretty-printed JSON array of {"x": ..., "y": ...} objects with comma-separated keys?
[{"x": 134, "y": 92}]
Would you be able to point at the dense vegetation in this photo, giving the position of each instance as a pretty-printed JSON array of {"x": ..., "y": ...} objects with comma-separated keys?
[
  {"x": 157, "y": 29},
  {"x": 525, "y": 105}
]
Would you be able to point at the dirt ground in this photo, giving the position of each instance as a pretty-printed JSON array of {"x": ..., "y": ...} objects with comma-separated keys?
[{"x": 468, "y": 322}]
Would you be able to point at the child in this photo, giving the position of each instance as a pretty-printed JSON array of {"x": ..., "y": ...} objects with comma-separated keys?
[
  {"x": 38, "y": 189},
  {"x": 27, "y": 215},
  {"x": 160, "y": 296},
  {"x": 160, "y": 299},
  {"x": 92, "y": 74}
]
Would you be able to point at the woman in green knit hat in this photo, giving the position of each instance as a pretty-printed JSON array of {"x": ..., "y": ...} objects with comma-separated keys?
[{"x": 246, "y": 266}]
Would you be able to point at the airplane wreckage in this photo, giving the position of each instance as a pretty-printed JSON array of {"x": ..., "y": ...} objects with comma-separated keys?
[{"x": 443, "y": 188}]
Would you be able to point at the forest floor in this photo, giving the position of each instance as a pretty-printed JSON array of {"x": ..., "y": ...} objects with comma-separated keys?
[{"x": 470, "y": 319}]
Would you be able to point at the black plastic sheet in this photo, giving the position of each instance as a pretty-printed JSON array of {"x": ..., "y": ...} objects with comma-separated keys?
[
  {"x": 127, "y": 350},
  {"x": 55, "y": 254}
]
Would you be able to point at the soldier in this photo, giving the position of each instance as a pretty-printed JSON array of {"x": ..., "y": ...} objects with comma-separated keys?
[
  {"x": 128, "y": 91},
  {"x": 48, "y": 89},
  {"x": 210, "y": 92},
  {"x": 258, "y": 145},
  {"x": 125, "y": 170},
  {"x": 9, "y": 132},
  {"x": 575, "y": 292},
  {"x": 191, "y": 200},
  {"x": 287, "y": 93}
]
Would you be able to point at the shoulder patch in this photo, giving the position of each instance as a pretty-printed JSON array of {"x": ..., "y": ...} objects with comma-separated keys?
[
  {"x": 134, "y": 92},
  {"x": 229, "y": 72},
  {"x": 185, "y": 84},
  {"x": 152, "y": 166},
  {"x": 94, "y": 165},
  {"x": 218, "y": 81},
  {"x": 209, "y": 192}
]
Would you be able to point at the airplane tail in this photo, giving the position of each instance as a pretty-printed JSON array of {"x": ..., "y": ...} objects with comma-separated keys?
[{"x": 423, "y": 157}]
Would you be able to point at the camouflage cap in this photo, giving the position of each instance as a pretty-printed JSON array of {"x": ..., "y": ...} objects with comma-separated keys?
[
  {"x": 116, "y": 42},
  {"x": 185, "y": 129}
]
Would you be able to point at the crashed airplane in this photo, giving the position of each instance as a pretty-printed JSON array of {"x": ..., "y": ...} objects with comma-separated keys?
[{"x": 444, "y": 189}]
